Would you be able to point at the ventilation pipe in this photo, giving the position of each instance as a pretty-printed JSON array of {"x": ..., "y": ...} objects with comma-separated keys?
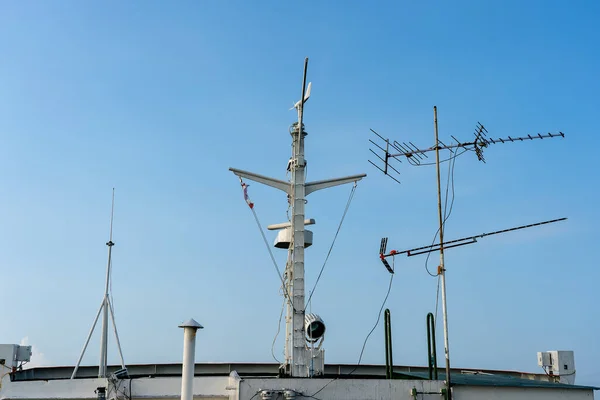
[
  {"x": 389, "y": 362},
  {"x": 431, "y": 348},
  {"x": 189, "y": 351}
]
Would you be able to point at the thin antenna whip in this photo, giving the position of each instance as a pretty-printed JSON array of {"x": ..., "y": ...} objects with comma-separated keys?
[{"x": 106, "y": 308}]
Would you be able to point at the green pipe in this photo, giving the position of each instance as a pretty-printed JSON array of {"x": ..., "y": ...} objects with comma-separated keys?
[
  {"x": 431, "y": 355},
  {"x": 389, "y": 363}
]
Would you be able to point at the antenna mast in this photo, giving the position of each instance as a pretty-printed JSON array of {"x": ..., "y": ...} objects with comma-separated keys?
[
  {"x": 106, "y": 308},
  {"x": 442, "y": 269},
  {"x": 297, "y": 352},
  {"x": 414, "y": 156}
]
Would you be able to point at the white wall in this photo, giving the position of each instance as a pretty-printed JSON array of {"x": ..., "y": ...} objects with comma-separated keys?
[
  {"x": 355, "y": 389},
  {"x": 146, "y": 388},
  {"x": 508, "y": 393}
]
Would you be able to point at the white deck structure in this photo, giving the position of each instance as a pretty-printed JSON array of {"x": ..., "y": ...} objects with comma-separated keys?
[{"x": 258, "y": 381}]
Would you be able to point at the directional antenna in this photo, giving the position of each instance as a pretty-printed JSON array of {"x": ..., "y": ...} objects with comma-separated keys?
[
  {"x": 451, "y": 243},
  {"x": 388, "y": 152},
  {"x": 383, "y": 154},
  {"x": 382, "y": 256}
]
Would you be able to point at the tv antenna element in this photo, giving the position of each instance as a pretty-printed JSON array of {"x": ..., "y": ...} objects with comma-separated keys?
[{"x": 447, "y": 245}]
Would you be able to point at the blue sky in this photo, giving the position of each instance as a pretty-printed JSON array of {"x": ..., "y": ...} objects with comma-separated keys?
[{"x": 160, "y": 100}]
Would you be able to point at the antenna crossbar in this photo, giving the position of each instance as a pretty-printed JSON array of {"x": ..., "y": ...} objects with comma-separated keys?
[{"x": 483, "y": 141}]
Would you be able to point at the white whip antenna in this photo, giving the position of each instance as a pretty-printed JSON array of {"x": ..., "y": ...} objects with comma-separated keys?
[{"x": 106, "y": 307}]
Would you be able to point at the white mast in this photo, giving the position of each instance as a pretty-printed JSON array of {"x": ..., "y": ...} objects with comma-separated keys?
[
  {"x": 296, "y": 358},
  {"x": 105, "y": 308}
]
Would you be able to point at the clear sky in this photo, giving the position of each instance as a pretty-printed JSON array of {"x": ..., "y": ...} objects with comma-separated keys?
[{"x": 158, "y": 100}]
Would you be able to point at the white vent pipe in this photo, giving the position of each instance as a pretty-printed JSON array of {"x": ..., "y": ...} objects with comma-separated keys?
[{"x": 189, "y": 351}]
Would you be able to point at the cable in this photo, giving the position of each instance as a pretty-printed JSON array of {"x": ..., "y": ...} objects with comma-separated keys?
[
  {"x": 3, "y": 375},
  {"x": 333, "y": 242},
  {"x": 376, "y": 323},
  {"x": 364, "y": 343},
  {"x": 446, "y": 214},
  {"x": 278, "y": 330},
  {"x": 448, "y": 159},
  {"x": 437, "y": 298}
]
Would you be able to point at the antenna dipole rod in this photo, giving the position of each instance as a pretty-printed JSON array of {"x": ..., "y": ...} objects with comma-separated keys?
[
  {"x": 442, "y": 269},
  {"x": 106, "y": 304},
  {"x": 110, "y": 243},
  {"x": 301, "y": 105}
]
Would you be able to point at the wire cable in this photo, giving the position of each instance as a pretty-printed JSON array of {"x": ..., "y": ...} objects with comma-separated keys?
[
  {"x": 447, "y": 213},
  {"x": 447, "y": 159},
  {"x": 366, "y": 339},
  {"x": 376, "y": 323},
  {"x": 437, "y": 298},
  {"x": 333, "y": 242},
  {"x": 446, "y": 216},
  {"x": 278, "y": 330}
]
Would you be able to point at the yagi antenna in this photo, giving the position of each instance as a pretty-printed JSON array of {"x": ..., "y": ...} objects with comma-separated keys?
[
  {"x": 449, "y": 244},
  {"x": 382, "y": 250},
  {"x": 388, "y": 169},
  {"x": 388, "y": 151}
]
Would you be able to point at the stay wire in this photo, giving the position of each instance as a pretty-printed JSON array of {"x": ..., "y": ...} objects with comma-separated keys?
[
  {"x": 285, "y": 292},
  {"x": 333, "y": 242},
  {"x": 278, "y": 330}
]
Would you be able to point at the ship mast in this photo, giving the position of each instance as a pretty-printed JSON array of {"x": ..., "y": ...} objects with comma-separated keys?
[{"x": 296, "y": 359}]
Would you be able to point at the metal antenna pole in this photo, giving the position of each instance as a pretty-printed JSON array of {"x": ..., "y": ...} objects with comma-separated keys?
[
  {"x": 104, "y": 337},
  {"x": 442, "y": 269},
  {"x": 106, "y": 307}
]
